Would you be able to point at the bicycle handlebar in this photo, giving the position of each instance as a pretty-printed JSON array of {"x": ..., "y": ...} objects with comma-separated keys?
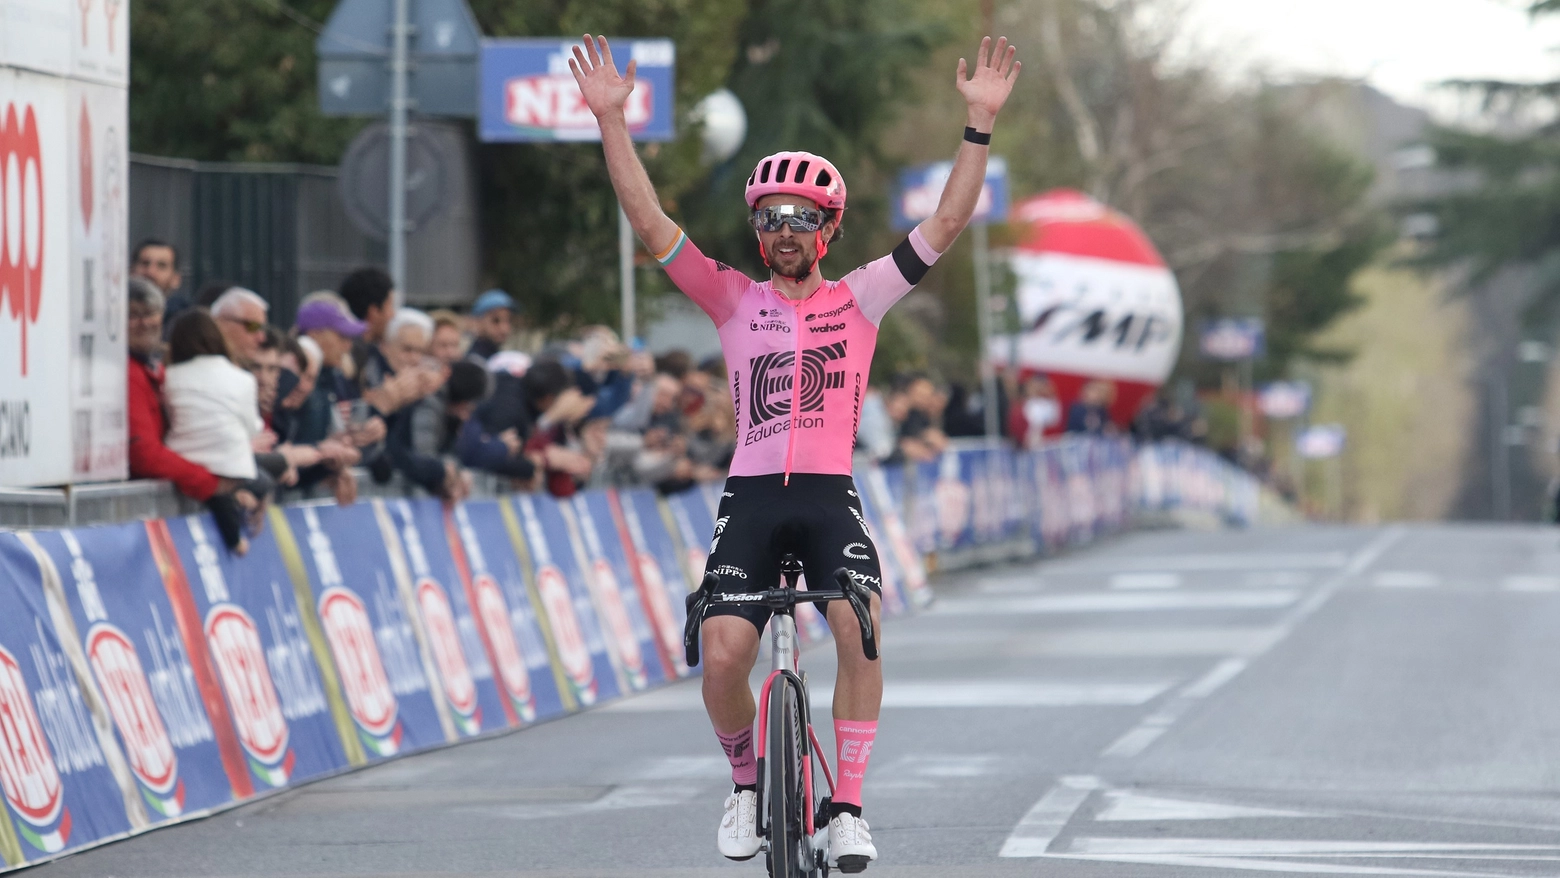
[{"x": 780, "y": 599}]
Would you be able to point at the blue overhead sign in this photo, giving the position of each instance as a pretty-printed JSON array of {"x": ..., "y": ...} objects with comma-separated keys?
[
  {"x": 1232, "y": 338},
  {"x": 528, "y": 93},
  {"x": 920, "y": 188}
]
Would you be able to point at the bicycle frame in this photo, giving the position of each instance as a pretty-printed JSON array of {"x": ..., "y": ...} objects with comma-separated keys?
[{"x": 785, "y": 661}]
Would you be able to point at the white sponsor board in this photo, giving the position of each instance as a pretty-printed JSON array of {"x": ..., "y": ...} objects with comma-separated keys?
[{"x": 64, "y": 189}]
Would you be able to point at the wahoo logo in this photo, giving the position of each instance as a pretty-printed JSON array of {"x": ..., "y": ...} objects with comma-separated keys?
[
  {"x": 129, "y": 696},
  {"x": 460, "y": 690},
  {"x": 257, "y": 713},
  {"x": 849, "y": 304},
  {"x": 493, "y": 613},
  {"x": 370, "y": 698},
  {"x": 827, "y": 327},
  {"x": 769, "y": 394},
  {"x": 614, "y": 612},
  {"x": 573, "y": 653},
  {"x": 28, "y": 777},
  {"x": 857, "y": 551}
]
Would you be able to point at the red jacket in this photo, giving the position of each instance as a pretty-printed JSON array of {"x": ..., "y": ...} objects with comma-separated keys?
[{"x": 149, "y": 457}]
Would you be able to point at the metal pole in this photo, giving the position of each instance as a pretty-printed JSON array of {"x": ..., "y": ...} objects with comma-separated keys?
[
  {"x": 398, "y": 71},
  {"x": 988, "y": 372},
  {"x": 626, "y": 275}
]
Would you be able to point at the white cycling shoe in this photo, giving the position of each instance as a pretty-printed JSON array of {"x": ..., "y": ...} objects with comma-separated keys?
[
  {"x": 738, "y": 838},
  {"x": 850, "y": 844}
]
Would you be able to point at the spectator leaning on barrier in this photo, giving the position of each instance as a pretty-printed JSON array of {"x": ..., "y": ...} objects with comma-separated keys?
[
  {"x": 447, "y": 337},
  {"x": 919, "y": 437},
  {"x": 492, "y": 320},
  {"x": 1090, "y": 412},
  {"x": 240, "y": 314},
  {"x": 1036, "y": 413},
  {"x": 149, "y": 457},
  {"x": 213, "y": 416},
  {"x": 405, "y": 353}
]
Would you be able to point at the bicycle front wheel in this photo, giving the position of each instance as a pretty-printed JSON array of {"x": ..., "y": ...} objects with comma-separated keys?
[{"x": 790, "y": 851}]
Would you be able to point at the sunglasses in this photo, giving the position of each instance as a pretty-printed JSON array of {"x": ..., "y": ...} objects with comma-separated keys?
[
  {"x": 800, "y": 219},
  {"x": 249, "y": 325}
]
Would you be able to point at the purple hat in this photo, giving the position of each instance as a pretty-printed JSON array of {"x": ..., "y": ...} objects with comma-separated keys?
[{"x": 324, "y": 314}]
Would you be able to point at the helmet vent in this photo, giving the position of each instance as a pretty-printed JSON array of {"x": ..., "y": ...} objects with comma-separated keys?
[
  {"x": 824, "y": 178},
  {"x": 801, "y": 171},
  {"x": 785, "y": 165},
  {"x": 763, "y": 174}
]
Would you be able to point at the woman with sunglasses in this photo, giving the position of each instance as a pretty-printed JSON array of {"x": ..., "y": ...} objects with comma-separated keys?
[{"x": 798, "y": 350}]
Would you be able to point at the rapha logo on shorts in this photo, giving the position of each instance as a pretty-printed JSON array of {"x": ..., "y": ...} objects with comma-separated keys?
[
  {"x": 849, "y": 304},
  {"x": 730, "y": 570},
  {"x": 770, "y": 384},
  {"x": 857, "y": 551},
  {"x": 863, "y": 579}
]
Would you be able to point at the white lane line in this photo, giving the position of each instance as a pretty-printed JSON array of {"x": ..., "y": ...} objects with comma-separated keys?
[
  {"x": 1045, "y": 820},
  {"x": 685, "y": 768},
  {"x": 1119, "y": 602},
  {"x": 1211, "y": 562},
  {"x": 1141, "y": 737},
  {"x": 1113, "y": 642},
  {"x": 1530, "y": 582},
  {"x": 1144, "y": 581},
  {"x": 1405, "y": 579},
  {"x": 1125, "y": 805},
  {"x": 1289, "y": 847},
  {"x": 935, "y": 695},
  {"x": 1300, "y": 868}
]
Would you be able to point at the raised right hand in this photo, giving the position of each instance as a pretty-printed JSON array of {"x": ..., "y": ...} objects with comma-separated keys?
[{"x": 604, "y": 90}]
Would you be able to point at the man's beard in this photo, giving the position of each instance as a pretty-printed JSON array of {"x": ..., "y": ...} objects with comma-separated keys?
[{"x": 804, "y": 265}]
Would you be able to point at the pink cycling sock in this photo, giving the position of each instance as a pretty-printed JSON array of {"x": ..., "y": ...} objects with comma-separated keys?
[
  {"x": 739, "y": 751},
  {"x": 854, "y": 738}
]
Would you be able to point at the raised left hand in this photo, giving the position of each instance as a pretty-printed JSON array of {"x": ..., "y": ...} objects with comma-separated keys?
[{"x": 987, "y": 90}]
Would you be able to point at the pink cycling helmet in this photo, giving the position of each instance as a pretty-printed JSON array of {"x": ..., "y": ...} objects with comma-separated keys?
[{"x": 797, "y": 173}]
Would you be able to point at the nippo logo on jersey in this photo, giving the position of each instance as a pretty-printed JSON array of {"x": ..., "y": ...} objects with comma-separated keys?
[
  {"x": 21, "y": 219},
  {"x": 119, "y": 674},
  {"x": 28, "y": 777},
  {"x": 257, "y": 713},
  {"x": 369, "y": 697},
  {"x": 493, "y": 613},
  {"x": 553, "y": 101},
  {"x": 444, "y": 639},
  {"x": 666, "y": 625},
  {"x": 572, "y": 650},
  {"x": 610, "y": 596}
]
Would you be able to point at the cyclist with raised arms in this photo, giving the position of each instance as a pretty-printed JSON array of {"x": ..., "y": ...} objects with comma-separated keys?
[{"x": 798, "y": 350}]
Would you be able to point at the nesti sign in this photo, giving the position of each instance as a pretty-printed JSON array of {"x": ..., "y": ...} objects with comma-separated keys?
[
  {"x": 63, "y": 187},
  {"x": 528, "y": 93}
]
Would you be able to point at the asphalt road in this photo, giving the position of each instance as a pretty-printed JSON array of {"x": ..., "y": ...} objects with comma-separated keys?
[{"x": 1308, "y": 700}]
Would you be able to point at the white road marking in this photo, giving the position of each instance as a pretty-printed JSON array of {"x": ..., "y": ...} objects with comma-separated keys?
[
  {"x": 1145, "y": 581},
  {"x": 1120, "y": 602},
  {"x": 1531, "y": 582},
  {"x": 1256, "y": 865},
  {"x": 943, "y": 766},
  {"x": 1125, "y": 641},
  {"x": 651, "y": 795},
  {"x": 953, "y": 694},
  {"x": 685, "y": 768},
  {"x": 1045, "y": 820},
  {"x": 1277, "y": 579},
  {"x": 1212, "y": 561},
  {"x": 1139, "y": 737},
  {"x": 1405, "y": 579},
  {"x": 1289, "y": 847},
  {"x": 1125, "y": 805},
  {"x": 1208, "y": 683}
]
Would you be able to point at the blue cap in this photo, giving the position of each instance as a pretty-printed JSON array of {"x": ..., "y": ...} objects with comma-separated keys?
[{"x": 490, "y": 300}]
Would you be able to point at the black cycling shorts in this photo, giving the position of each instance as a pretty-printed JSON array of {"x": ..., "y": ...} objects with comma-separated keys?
[{"x": 817, "y": 518}]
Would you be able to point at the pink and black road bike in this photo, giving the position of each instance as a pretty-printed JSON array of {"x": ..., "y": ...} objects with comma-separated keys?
[{"x": 793, "y": 815}]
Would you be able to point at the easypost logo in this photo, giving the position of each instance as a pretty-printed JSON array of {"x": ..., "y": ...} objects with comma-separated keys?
[
  {"x": 615, "y": 614},
  {"x": 123, "y": 681},
  {"x": 493, "y": 613},
  {"x": 370, "y": 698},
  {"x": 28, "y": 777},
  {"x": 444, "y": 639},
  {"x": 257, "y": 713},
  {"x": 570, "y": 642},
  {"x": 551, "y": 102},
  {"x": 666, "y": 625},
  {"x": 21, "y": 219}
]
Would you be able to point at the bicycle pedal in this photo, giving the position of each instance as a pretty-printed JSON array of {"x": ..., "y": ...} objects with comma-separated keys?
[{"x": 852, "y": 864}]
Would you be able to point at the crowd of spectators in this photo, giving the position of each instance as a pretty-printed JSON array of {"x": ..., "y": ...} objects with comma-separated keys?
[{"x": 237, "y": 412}]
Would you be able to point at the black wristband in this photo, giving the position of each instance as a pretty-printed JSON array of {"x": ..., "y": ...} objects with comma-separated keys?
[{"x": 974, "y": 136}]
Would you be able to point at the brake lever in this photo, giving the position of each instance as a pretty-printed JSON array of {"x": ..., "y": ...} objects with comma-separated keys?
[
  {"x": 862, "y": 606},
  {"x": 697, "y": 602}
]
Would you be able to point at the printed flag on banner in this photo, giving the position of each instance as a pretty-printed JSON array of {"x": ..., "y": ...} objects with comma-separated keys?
[
  {"x": 254, "y": 636},
  {"x": 618, "y": 597},
  {"x": 894, "y": 599},
  {"x": 526, "y": 663},
  {"x": 54, "y": 774},
  {"x": 140, "y": 665},
  {"x": 953, "y": 496},
  {"x": 369, "y": 630},
  {"x": 561, "y": 583},
  {"x": 893, "y": 537},
  {"x": 695, "y": 528},
  {"x": 921, "y": 483},
  {"x": 458, "y": 650},
  {"x": 644, "y": 532}
]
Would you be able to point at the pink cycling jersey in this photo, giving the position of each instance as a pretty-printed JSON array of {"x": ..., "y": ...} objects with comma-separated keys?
[{"x": 809, "y": 357}]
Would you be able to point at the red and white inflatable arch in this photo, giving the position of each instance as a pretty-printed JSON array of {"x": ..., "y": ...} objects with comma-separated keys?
[{"x": 1095, "y": 300}]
